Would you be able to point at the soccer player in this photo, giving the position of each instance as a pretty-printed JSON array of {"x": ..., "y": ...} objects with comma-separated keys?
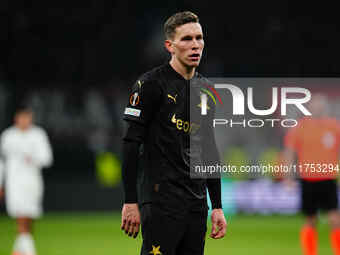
[
  {"x": 173, "y": 205},
  {"x": 316, "y": 143},
  {"x": 25, "y": 149}
]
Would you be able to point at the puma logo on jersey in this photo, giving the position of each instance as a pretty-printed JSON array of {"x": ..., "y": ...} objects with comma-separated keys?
[{"x": 172, "y": 98}]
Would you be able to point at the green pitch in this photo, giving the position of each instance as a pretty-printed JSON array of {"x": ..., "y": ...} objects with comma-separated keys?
[{"x": 99, "y": 233}]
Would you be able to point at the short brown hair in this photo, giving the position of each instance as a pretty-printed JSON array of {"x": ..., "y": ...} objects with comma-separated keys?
[{"x": 176, "y": 20}]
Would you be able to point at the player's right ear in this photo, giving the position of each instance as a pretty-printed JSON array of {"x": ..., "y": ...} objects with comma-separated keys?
[{"x": 169, "y": 46}]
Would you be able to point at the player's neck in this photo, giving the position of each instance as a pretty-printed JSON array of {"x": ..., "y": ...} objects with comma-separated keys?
[
  {"x": 22, "y": 128},
  {"x": 186, "y": 72}
]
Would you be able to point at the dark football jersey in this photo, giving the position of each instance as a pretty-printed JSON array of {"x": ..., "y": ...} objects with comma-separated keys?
[{"x": 170, "y": 109}]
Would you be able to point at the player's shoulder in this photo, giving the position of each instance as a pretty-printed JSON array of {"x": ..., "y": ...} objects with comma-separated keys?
[
  {"x": 333, "y": 122},
  {"x": 150, "y": 80},
  {"x": 200, "y": 76},
  {"x": 202, "y": 80},
  {"x": 37, "y": 130},
  {"x": 8, "y": 131},
  {"x": 152, "y": 76}
]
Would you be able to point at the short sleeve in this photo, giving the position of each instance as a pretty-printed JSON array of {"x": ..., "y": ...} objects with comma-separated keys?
[{"x": 144, "y": 100}]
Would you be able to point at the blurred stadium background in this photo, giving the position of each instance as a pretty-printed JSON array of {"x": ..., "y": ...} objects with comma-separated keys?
[{"x": 74, "y": 63}]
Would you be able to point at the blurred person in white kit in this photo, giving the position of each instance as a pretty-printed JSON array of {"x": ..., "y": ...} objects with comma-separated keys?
[{"x": 25, "y": 151}]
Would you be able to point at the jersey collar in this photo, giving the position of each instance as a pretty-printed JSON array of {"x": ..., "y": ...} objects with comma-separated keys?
[{"x": 177, "y": 75}]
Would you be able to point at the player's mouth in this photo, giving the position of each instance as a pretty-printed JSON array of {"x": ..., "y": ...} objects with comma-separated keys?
[{"x": 194, "y": 57}]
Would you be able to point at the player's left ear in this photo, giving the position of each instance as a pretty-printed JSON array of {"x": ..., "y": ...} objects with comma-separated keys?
[{"x": 169, "y": 46}]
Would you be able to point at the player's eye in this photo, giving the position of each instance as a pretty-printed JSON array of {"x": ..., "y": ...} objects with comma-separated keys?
[
  {"x": 187, "y": 38},
  {"x": 199, "y": 37}
]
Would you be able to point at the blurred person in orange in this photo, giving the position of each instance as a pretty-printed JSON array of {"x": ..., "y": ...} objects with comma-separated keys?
[{"x": 314, "y": 145}]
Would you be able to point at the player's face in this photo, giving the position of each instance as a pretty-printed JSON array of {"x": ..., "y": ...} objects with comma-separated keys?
[
  {"x": 188, "y": 44},
  {"x": 23, "y": 120}
]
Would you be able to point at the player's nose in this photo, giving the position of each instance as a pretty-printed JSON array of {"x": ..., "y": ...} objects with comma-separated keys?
[{"x": 196, "y": 44}]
